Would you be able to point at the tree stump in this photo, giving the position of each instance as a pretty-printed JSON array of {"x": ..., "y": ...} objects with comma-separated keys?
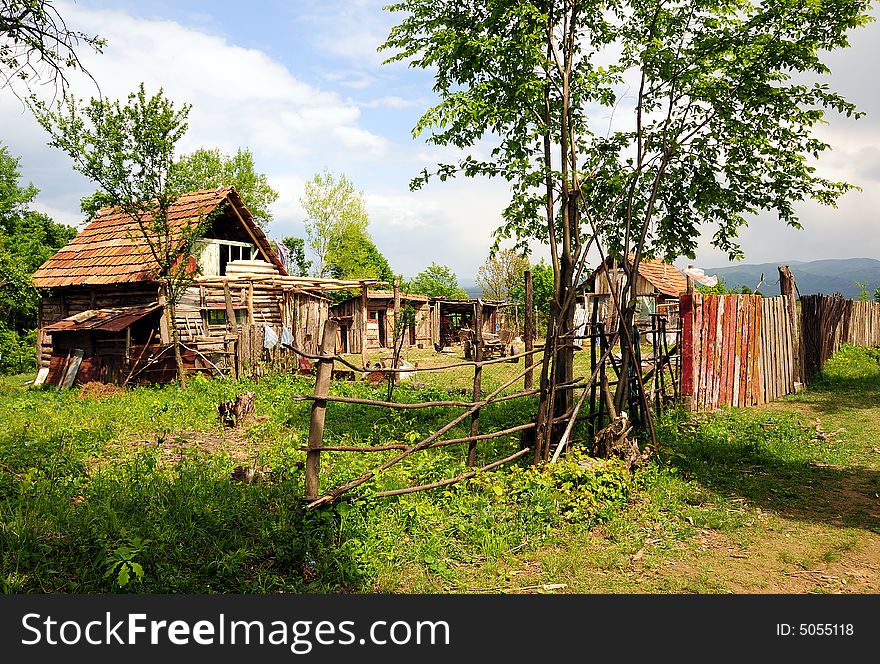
[{"x": 232, "y": 412}]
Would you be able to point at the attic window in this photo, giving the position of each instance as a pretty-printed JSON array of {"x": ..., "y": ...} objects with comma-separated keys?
[
  {"x": 215, "y": 254},
  {"x": 232, "y": 252}
]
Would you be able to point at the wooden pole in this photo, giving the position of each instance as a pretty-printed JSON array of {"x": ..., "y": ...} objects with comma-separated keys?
[
  {"x": 230, "y": 312},
  {"x": 164, "y": 330},
  {"x": 250, "y": 303},
  {"x": 478, "y": 379},
  {"x": 364, "y": 321},
  {"x": 787, "y": 289},
  {"x": 319, "y": 409},
  {"x": 529, "y": 331}
]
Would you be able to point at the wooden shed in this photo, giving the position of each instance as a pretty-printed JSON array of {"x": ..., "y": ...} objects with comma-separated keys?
[
  {"x": 366, "y": 321},
  {"x": 658, "y": 286},
  {"x": 102, "y": 312}
]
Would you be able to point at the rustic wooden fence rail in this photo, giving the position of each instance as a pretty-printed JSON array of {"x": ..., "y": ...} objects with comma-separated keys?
[{"x": 661, "y": 375}]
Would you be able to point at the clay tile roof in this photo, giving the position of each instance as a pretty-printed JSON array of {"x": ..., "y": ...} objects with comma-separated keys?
[
  {"x": 665, "y": 277},
  {"x": 109, "y": 250}
]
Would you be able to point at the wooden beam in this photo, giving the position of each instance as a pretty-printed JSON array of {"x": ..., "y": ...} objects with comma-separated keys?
[
  {"x": 529, "y": 329},
  {"x": 164, "y": 329},
  {"x": 319, "y": 409},
  {"x": 230, "y": 312}
]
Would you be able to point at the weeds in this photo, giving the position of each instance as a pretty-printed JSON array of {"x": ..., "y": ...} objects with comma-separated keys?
[{"x": 134, "y": 491}]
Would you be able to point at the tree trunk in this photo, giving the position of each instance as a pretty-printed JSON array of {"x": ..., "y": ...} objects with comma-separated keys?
[{"x": 175, "y": 339}]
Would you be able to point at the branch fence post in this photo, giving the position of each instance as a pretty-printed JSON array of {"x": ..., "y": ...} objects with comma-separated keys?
[
  {"x": 529, "y": 329},
  {"x": 319, "y": 409},
  {"x": 478, "y": 379}
]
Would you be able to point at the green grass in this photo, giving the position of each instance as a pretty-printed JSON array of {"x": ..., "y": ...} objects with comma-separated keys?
[{"x": 134, "y": 492}]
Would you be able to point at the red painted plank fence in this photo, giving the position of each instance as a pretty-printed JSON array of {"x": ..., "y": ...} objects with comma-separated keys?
[{"x": 737, "y": 350}]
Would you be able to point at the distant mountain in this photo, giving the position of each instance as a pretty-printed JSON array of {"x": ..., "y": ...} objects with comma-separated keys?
[
  {"x": 470, "y": 287},
  {"x": 831, "y": 275}
]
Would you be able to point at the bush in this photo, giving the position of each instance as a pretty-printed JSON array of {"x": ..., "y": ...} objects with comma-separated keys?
[{"x": 17, "y": 351}]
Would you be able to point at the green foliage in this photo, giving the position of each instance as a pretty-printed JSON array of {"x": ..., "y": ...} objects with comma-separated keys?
[
  {"x": 128, "y": 150},
  {"x": 17, "y": 350},
  {"x": 357, "y": 257},
  {"x": 501, "y": 274},
  {"x": 864, "y": 295},
  {"x": 121, "y": 563},
  {"x": 27, "y": 240},
  {"x": 35, "y": 44},
  {"x": 297, "y": 264},
  {"x": 721, "y": 288},
  {"x": 721, "y": 126},
  {"x": 208, "y": 169},
  {"x": 437, "y": 281},
  {"x": 577, "y": 493},
  {"x": 335, "y": 214}
]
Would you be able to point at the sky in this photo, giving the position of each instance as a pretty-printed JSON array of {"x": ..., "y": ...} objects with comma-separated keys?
[{"x": 301, "y": 84}]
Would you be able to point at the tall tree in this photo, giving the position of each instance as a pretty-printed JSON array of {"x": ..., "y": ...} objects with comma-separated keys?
[
  {"x": 27, "y": 239},
  {"x": 36, "y": 44},
  {"x": 501, "y": 273},
  {"x": 335, "y": 213},
  {"x": 128, "y": 150},
  {"x": 207, "y": 169},
  {"x": 297, "y": 263},
  {"x": 721, "y": 125},
  {"x": 357, "y": 257},
  {"x": 437, "y": 281}
]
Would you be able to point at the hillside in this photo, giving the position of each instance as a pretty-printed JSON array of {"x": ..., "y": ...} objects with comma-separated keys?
[{"x": 832, "y": 275}]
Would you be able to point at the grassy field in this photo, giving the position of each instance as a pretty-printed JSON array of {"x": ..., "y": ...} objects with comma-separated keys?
[{"x": 133, "y": 492}]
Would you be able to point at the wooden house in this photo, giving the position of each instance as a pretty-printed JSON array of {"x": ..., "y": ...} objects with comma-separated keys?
[
  {"x": 456, "y": 316},
  {"x": 366, "y": 321},
  {"x": 103, "y": 315},
  {"x": 658, "y": 287}
]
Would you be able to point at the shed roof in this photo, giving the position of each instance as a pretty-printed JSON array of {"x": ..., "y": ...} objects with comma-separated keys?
[
  {"x": 664, "y": 277},
  {"x": 106, "y": 320},
  {"x": 389, "y": 294},
  {"x": 110, "y": 249}
]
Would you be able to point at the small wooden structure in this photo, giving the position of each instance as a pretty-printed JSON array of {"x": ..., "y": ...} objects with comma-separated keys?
[
  {"x": 658, "y": 287},
  {"x": 366, "y": 320},
  {"x": 457, "y": 320},
  {"x": 103, "y": 315}
]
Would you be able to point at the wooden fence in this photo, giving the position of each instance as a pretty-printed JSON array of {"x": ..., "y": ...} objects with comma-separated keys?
[
  {"x": 830, "y": 320},
  {"x": 737, "y": 350},
  {"x": 656, "y": 383}
]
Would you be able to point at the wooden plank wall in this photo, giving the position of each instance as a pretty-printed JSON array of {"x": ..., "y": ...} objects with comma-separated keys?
[
  {"x": 740, "y": 351},
  {"x": 777, "y": 350}
]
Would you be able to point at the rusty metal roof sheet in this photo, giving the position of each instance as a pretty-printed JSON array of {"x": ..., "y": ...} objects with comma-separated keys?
[
  {"x": 105, "y": 320},
  {"x": 112, "y": 249}
]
